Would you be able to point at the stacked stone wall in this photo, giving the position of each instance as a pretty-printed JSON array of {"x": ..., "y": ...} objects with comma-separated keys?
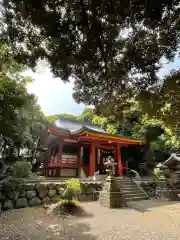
[{"x": 38, "y": 194}]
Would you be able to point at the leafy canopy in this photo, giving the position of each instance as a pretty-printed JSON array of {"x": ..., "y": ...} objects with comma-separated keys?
[
  {"x": 113, "y": 49},
  {"x": 21, "y": 121}
]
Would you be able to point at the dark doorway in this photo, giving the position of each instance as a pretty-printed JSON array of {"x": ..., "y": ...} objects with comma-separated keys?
[
  {"x": 133, "y": 155},
  {"x": 86, "y": 156}
]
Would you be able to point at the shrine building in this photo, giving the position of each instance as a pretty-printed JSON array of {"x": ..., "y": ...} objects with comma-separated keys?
[{"x": 77, "y": 149}]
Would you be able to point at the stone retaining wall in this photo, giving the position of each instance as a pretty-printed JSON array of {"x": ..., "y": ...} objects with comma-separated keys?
[
  {"x": 160, "y": 190},
  {"x": 37, "y": 194}
]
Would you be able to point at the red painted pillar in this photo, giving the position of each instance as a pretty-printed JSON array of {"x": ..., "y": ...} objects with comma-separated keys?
[
  {"x": 51, "y": 163},
  {"x": 118, "y": 160},
  {"x": 61, "y": 144},
  {"x": 92, "y": 160}
]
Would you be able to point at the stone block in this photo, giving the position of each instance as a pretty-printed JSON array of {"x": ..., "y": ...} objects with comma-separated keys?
[
  {"x": 110, "y": 195},
  {"x": 173, "y": 195},
  {"x": 52, "y": 193},
  {"x": 10, "y": 195},
  {"x": 56, "y": 199},
  {"x": 8, "y": 204},
  {"x": 21, "y": 203},
  {"x": 30, "y": 194},
  {"x": 45, "y": 200},
  {"x": 23, "y": 193},
  {"x": 2, "y": 196},
  {"x": 16, "y": 196},
  {"x": 35, "y": 202},
  {"x": 29, "y": 187},
  {"x": 42, "y": 190},
  {"x": 58, "y": 186},
  {"x": 51, "y": 185}
]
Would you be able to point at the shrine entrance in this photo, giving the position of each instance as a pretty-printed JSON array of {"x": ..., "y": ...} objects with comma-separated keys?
[{"x": 104, "y": 154}]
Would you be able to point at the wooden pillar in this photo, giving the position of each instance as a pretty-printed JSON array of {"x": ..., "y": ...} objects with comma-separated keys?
[
  {"x": 98, "y": 156},
  {"x": 61, "y": 145},
  {"x": 81, "y": 155},
  {"x": 92, "y": 160},
  {"x": 50, "y": 157},
  {"x": 118, "y": 160}
]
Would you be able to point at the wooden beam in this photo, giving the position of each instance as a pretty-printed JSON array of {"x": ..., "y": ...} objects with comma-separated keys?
[
  {"x": 68, "y": 165},
  {"x": 105, "y": 147},
  {"x": 58, "y": 132},
  {"x": 98, "y": 141},
  {"x": 111, "y": 139}
]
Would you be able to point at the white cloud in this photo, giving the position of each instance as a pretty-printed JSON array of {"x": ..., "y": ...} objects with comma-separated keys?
[{"x": 54, "y": 96}]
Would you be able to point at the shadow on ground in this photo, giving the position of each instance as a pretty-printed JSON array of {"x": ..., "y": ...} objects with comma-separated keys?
[
  {"x": 75, "y": 231},
  {"x": 148, "y": 205},
  {"x": 34, "y": 224}
]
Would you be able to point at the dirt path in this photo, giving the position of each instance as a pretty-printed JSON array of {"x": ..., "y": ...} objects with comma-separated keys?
[{"x": 151, "y": 220}]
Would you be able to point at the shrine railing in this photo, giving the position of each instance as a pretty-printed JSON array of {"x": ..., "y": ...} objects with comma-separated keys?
[{"x": 64, "y": 162}]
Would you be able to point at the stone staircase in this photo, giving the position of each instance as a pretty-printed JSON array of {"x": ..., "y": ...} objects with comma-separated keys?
[{"x": 130, "y": 190}]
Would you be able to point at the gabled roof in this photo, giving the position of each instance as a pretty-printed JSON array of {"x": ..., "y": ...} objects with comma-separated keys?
[{"x": 73, "y": 127}]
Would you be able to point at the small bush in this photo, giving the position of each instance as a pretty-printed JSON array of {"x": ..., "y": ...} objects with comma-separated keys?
[
  {"x": 21, "y": 169},
  {"x": 72, "y": 189},
  {"x": 10, "y": 184}
]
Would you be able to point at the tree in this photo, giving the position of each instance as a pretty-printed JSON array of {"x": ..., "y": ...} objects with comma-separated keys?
[
  {"x": 87, "y": 115},
  {"x": 21, "y": 121},
  {"x": 53, "y": 118},
  {"x": 113, "y": 49}
]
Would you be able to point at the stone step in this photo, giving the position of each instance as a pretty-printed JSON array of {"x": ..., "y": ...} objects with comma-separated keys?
[
  {"x": 141, "y": 205},
  {"x": 127, "y": 181},
  {"x": 138, "y": 198},
  {"x": 124, "y": 180},
  {"x": 127, "y": 186},
  {"x": 122, "y": 183},
  {"x": 132, "y": 195},
  {"x": 131, "y": 191}
]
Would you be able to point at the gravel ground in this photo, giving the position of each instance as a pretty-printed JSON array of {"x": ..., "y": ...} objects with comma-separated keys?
[{"x": 147, "y": 220}]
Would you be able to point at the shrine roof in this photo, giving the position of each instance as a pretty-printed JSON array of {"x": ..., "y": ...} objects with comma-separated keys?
[{"x": 75, "y": 127}]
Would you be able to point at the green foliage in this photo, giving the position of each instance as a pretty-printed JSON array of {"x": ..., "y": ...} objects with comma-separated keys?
[
  {"x": 100, "y": 120},
  {"x": 113, "y": 49},
  {"x": 86, "y": 115},
  {"x": 10, "y": 185},
  {"x": 53, "y": 118},
  {"x": 111, "y": 129},
  {"x": 72, "y": 189},
  {"x": 21, "y": 121},
  {"x": 21, "y": 169},
  {"x": 130, "y": 120}
]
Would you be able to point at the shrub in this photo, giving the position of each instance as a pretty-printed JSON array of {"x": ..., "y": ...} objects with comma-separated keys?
[
  {"x": 156, "y": 173},
  {"x": 21, "y": 169},
  {"x": 72, "y": 189},
  {"x": 10, "y": 184}
]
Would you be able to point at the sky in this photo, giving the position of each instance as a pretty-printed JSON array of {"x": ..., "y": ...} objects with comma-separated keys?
[{"x": 55, "y": 97}]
